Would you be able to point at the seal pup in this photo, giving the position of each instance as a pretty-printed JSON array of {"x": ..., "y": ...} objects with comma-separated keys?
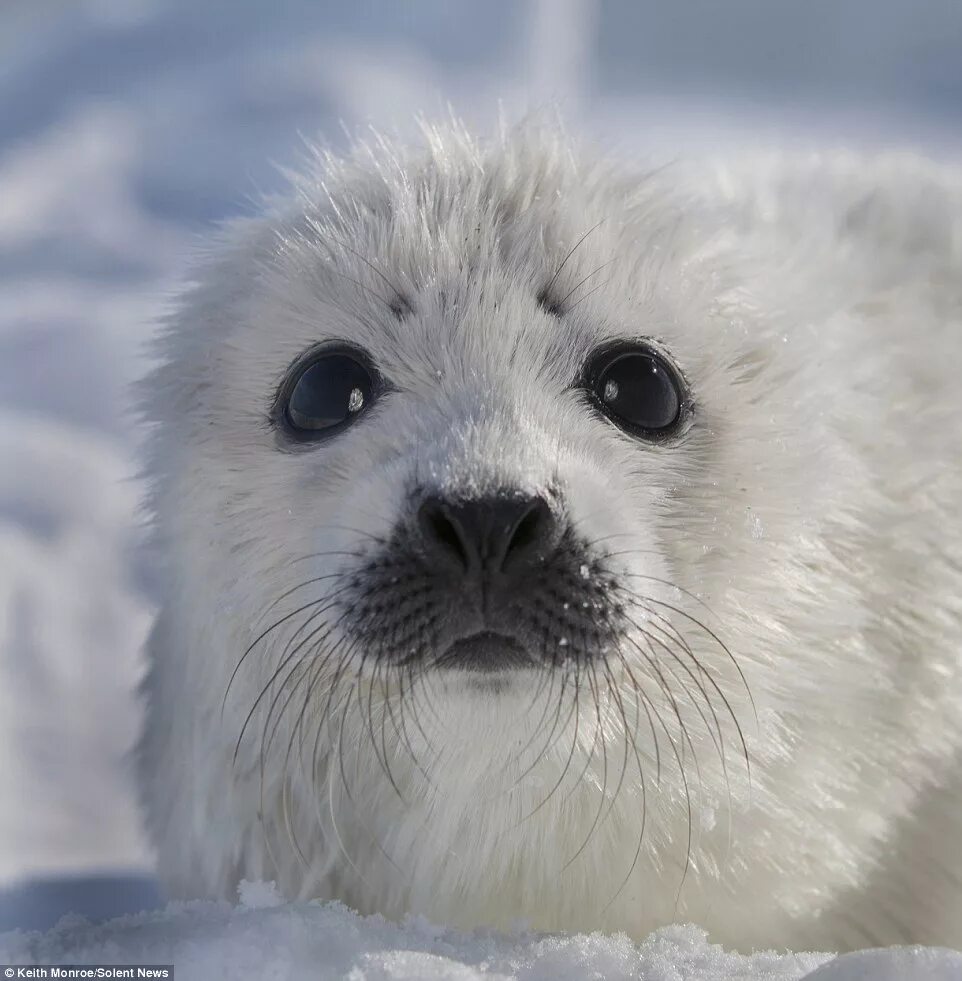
[{"x": 547, "y": 542}]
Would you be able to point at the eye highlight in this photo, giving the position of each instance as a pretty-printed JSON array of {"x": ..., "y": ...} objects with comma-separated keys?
[
  {"x": 327, "y": 393},
  {"x": 638, "y": 389}
]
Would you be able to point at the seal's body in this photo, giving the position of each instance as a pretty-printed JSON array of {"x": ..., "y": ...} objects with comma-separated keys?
[{"x": 543, "y": 543}]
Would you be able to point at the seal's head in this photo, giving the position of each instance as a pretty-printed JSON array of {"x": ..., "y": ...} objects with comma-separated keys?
[{"x": 499, "y": 497}]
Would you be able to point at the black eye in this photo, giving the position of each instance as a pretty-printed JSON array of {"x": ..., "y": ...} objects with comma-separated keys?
[
  {"x": 328, "y": 394},
  {"x": 638, "y": 389}
]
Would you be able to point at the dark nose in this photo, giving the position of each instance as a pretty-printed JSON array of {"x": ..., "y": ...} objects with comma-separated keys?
[{"x": 489, "y": 535}]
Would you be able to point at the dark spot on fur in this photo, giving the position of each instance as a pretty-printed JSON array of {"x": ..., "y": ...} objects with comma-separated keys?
[
  {"x": 401, "y": 306},
  {"x": 550, "y": 304}
]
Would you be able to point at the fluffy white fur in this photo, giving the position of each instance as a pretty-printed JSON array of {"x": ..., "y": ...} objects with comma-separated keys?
[{"x": 808, "y": 521}]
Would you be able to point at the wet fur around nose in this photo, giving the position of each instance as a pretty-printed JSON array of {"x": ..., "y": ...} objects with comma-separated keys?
[{"x": 726, "y": 675}]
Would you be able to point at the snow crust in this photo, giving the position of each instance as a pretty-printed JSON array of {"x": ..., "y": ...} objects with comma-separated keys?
[{"x": 264, "y": 938}]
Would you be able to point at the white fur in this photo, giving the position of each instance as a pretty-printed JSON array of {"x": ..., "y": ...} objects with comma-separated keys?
[{"x": 809, "y": 518}]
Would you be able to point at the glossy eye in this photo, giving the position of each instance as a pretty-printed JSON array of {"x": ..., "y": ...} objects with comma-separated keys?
[
  {"x": 328, "y": 394},
  {"x": 638, "y": 389}
]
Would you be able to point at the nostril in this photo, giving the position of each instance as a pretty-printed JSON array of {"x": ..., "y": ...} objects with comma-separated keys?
[
  {"x": 441, "y": 533},
  {"x": 531, "y": 534}
]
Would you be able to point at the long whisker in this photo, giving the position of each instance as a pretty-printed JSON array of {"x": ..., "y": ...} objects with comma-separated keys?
[
  {"x": 711, "y": 633},
  {"x": 285, "y": 660},
  {"x": 585, "y": 296},
  {"x": 395, "y": 289},
  {"x": 592, "y": 681},
  {"x": 574, "y": 248},
  {"x": 641, "y": 831},
  {"x": 714, "y": 733},
  {"x": 574, "y": 289},
  {"x": 576, "y": 710},
  {"x": 264, "y": 633}
]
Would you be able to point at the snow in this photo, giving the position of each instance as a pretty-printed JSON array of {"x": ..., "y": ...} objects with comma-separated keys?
[
  {"x": 264, "y": 938},
  {"x": 206, "y": 940},
  {"x": 126, "y": 128},
  {"x": 259, "y": 895},
  {"x": 894, "y": 964}
]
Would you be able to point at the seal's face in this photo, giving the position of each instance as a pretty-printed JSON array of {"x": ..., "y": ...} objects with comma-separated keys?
[
  {"x": 491, "y": 467},
  {"x": 501, "y": 464},
  {"x": 479, "y": 429},
  {"x": 493, "y": 573}
]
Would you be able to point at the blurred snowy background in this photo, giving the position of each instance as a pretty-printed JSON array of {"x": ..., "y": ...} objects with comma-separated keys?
[{"x": 128, "y": 126}]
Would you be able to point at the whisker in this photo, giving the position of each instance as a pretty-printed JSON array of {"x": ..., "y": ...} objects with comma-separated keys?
[
  {"x": 721, "y": 644},
  {"x": 641, "y": 832},
  {"x": 398, "y": 292},
  {"x": 592, "y": 681},
  {"x": 685, "y": 737},
  {"x": 324, "y": 555},
  {"x": 718, "y": 740},
  {"x": 711, "y": 680},
  {"x": 277, "y": 623},
  {"x": 671, "y": 585},
  {"x": 576, "y": 711},
  {"x": 561, "y": 303},
  {"x": 574, "y": 248},
  {"x": 537, "y": 728},
  {"x": 385, "y": 712},
  {"x": 263, "y": 693},
  {"x": 294, "y": 589},
  {"x": 551, "y": 740},
  {"x": 619, "y": 703},
  {"x": 585, "y": 296}
]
